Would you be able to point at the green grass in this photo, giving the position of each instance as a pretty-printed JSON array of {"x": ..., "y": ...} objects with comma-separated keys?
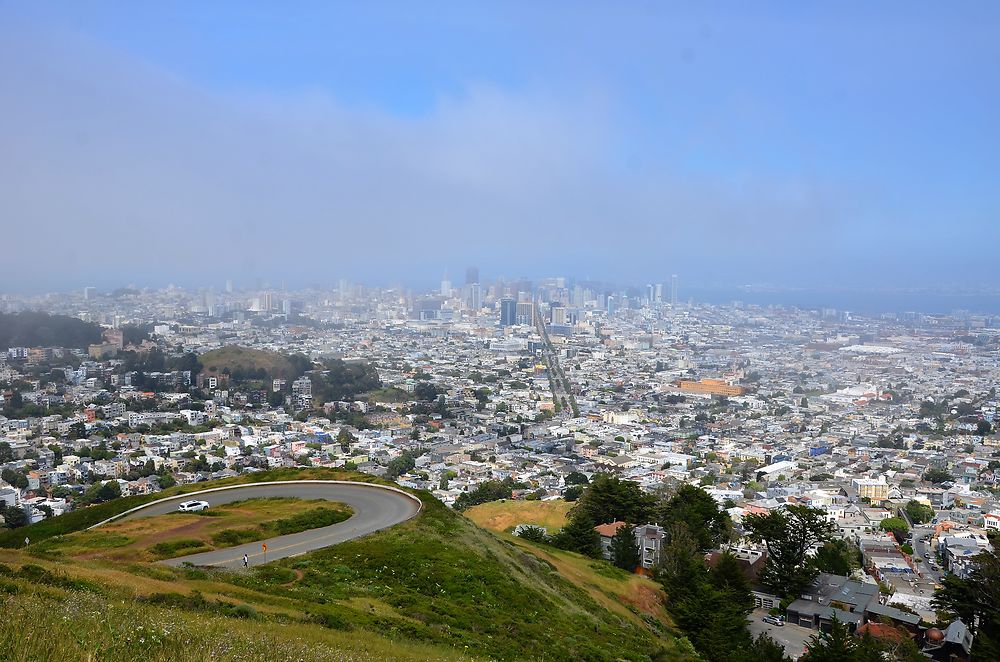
[
  {"x": 434, "y": 587},
  {"x": 447, "y": 582},
  {"x": 45, "y": 625},
  {"x": 178, "y": 547},
  {"x": 91, "y": 515},
  {"x": 310, "y": 519}
]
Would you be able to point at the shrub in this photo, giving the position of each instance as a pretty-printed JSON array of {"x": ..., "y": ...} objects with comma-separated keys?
[
  {"x": 172, "y": 547},
  {"x": 230, "y": 537},
  {"x": 533, "y": 534}
]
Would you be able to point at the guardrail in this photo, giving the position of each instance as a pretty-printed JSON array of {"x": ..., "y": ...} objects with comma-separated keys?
[{"x": 187, "y": 496}]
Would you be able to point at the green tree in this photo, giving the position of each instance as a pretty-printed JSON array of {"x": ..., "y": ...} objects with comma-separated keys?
[
  {"x": 576, "y": 478},
  {"x": 936, "y": 475},
  {"x": 975, "y": 600},
  {"x": 694, "y": 507},
  {"x": 766, "y": 649},
  {"x": 788, "y": 534},
  {"x": 837, "y": 557},
  {"x": 579, "y": 536},
  {"x": 625, "y": 548},
  {"x": 15, "y": 478},
  {"x": 611, "y": 499},
  {"x": 897, "y": 526},
  {"x": 14, "y": 518},
  {"x": 709, "y": 605},
  {"x": 491, "y": 490},
  {"x": 533, "y": 534},
  {"x": 401, "y": 465},
  {"x": 837, "y": 645},
  {"x": 6, "y": 453},
  {"x": 345, "y": 439},
  {"x": 573, "y": 492},
  {"x": 919, "y": 513},
  {"x": 167, "y": 480}
]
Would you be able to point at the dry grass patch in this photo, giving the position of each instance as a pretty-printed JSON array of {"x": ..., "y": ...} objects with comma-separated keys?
[{"x": 503, "y": 516}]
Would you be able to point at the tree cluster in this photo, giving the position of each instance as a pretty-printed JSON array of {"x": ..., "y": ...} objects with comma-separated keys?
[
  {"x": 339, "y": 380},
  {"x": 975, "y": 600},
  {"x": 839, "y": 645},
  {"x": 788, "y": 534},
  {"x": 491, "y": 490},
  {"x": 34, "y": 329},
  {"x": 919, "y": 513}
]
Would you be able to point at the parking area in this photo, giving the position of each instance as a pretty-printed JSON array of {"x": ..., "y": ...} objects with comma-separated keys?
[{"x": 792, "y": 637}]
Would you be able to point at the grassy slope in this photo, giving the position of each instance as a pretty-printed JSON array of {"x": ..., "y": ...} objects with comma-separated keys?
[
  {"x": 243, "y": 358},
  {"x": 436, "y": 587},
  {"x": 85, "y": 517},
  {"x": 177, "y": 534},
  {"x": 503, "y": 516}
]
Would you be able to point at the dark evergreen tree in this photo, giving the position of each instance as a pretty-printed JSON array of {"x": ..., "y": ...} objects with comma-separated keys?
[
  {"x": 579, "y": 536},
  {"x": 788, "y": 534},
  {"x": 700, "y": 513},
  {"x": 625, "y": 549}
]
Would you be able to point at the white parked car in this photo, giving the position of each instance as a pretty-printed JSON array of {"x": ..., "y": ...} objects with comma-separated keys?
[
  {"x": 192, "y": 506},
  {"x": 774, "y": 620}
]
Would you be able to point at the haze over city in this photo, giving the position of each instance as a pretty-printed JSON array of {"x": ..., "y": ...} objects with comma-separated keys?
[
  {"x": 849, "y": 146},
  {"x": 499, "y": 330}
]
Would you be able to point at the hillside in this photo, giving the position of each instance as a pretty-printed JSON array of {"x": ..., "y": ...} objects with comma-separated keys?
[
  {"x": 245, "y": 363},
  {"x": 503, "y": 516},
  {"x": 435, "y": 587},
  {"x": 32, "y": 329}
]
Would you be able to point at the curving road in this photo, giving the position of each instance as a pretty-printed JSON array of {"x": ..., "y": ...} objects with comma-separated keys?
[{"x": 375, "y": 508}]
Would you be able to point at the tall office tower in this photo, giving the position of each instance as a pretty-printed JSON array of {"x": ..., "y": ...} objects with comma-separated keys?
[
  {"x": 229, "y": 286},
  {"x": 508, "y": 312},
  {"x": 650, "y": 293},
  {"x": 525, "y": 313},
  {"x": 612, "y": 305},
  {"x": 474, "y": 296},
  {"x": 673, "y": 290},
  {"x": 558, "y": 316},
  {"x": 266, "y": 302},
  {"x": 89, "y": 293},
  {"x": 445, "y": 287},
  {"x": 658, "y": 293},
  {"x": 471, "y": 275}
]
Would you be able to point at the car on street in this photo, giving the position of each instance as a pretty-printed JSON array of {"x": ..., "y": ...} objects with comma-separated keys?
[
  {"x": 192, "y": 506},
  {"x": 774, "y": 620}
]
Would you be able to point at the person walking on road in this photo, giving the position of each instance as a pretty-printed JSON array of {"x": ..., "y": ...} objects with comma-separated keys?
[{"x": 246, "y": 561}]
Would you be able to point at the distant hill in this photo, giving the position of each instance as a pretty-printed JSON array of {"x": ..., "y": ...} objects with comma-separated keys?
[
  {"x": 33, "y": 329},
  {"x": 242, "y": 363},
  {"x": 436, "y": 587}
]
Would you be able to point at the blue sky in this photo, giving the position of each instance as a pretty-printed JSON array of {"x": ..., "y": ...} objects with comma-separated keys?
[{"x": 791, "y": 143}]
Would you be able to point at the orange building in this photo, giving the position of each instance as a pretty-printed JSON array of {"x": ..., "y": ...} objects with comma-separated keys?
[{"x": 710, "y": 386}]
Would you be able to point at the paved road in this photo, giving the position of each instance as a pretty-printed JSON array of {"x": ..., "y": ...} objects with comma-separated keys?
[
  {"x": 921, "y": 536},
  {"x": 792, "y": 637},
  {"x": 375, "y": 508}
]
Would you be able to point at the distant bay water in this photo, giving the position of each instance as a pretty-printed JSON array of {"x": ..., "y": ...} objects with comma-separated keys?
[{"x": 869, "y": 302}]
